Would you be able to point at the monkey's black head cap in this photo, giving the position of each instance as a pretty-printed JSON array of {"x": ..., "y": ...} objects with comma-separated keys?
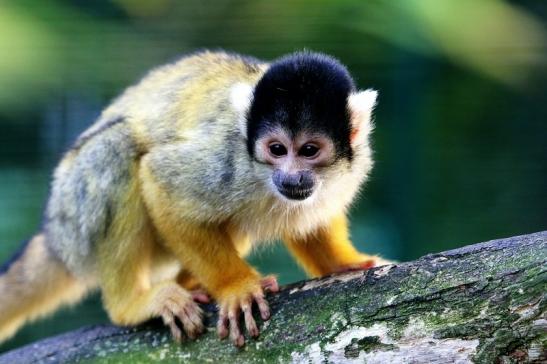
[{"x": 303, "y": 92}]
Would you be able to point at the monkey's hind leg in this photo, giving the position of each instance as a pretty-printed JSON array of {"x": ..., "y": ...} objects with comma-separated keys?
[
  {"x": 34, "y": 285},
  {"x": 128, "y": 293}
]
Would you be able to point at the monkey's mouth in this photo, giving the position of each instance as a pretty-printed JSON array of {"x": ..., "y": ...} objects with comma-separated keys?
[{"x": 298, "y": 194}]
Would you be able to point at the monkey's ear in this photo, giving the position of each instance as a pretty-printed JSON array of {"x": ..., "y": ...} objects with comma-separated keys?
[
  {"x": 241, "y": 96},
  {"x": 361, "y": 105}
]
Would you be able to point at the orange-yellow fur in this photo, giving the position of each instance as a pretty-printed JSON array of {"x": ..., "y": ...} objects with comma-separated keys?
[{"x": 327, "y": 249}]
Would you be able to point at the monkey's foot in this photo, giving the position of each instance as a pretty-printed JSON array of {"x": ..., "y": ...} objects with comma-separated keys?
[
  {"x": 231, "y": 308},
  {"x": 369, "y": 262},
  {"x": 180, "y": 304}
]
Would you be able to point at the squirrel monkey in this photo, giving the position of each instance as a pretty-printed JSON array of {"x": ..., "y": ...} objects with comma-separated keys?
[{"x": 182, "y": 175}]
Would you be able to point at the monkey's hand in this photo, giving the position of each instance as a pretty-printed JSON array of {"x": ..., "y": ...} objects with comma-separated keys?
[
  {"x": 240, "y": 299},
  {"x": 175, "y": 302}
]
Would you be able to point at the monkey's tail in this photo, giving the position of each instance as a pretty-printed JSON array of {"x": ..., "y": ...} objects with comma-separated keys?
[{"x": 34, "y": 284}]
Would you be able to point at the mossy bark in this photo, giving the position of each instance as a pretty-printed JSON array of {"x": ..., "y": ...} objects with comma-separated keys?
[{"x": 483, "y": 303}]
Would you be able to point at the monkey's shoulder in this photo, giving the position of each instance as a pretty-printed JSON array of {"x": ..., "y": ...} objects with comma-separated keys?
[
  {"x": 175, "y": 98},
  {"x": 204, "y": 66}
]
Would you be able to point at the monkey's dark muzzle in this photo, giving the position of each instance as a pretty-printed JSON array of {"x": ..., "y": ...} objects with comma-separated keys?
[{"x": 294, "y": 186}]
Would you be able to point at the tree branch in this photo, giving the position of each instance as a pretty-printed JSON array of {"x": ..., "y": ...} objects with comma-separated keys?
[{"x": 481, "y": 303}]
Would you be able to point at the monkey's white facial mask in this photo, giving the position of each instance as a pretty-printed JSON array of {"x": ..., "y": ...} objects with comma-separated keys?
[{"x": 294, "y": 161}]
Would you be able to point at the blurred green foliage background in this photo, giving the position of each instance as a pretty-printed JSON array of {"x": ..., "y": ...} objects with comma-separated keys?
[{"x": 460, "y": 141}]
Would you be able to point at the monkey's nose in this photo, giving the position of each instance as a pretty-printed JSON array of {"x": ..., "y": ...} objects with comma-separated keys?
[
  {"x": 294, "y": 185},
  {"x": 301, "y": 180}
]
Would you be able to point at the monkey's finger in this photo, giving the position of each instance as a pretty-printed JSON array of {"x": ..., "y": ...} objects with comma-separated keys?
[
  {"x": 250, "y": 323},
  {"x": 222, "y": 323},
  {"x": 175, "y": 332},
  {"x": 189, "y": 328},
  {"x": 190, "y": 321},
  {"x": 235, "y": 333},
  {"x": 262, "y": 305},
  {"x": 188, "y": 313},
  {"x": 269, "y": 284},
  {"x": 169, "y": 320},
  {"x": 367, "y": 264},
  {"x": 175, "y": 310},
  {"x": 200, "y": 296},
  {"x": 195, "y": 315},
  {"x": 197, "y": 318}
]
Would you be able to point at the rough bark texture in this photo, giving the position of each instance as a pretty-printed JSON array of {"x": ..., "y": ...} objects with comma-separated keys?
[{"x": 483, "y": 303}]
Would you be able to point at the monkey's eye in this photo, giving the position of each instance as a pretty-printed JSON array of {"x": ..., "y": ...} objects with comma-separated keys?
[
  {"x": 308, "y": 150},
  {"x": 278, "y": 149}
]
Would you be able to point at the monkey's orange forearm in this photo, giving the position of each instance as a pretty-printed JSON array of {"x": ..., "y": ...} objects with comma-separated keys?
[
  {"x": 327, "y": 250},
  {"x": 210, "y": 256}
]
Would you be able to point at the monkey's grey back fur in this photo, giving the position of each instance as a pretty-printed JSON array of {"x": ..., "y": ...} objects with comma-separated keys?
[{"x": 85, "y": 195}]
